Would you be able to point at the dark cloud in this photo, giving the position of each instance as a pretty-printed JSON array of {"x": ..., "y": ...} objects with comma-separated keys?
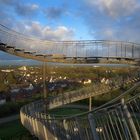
[
  {"x": 20, "y": 8},
  {"x": 54, "y": 12},
  {"x": 27, "y": 10}
]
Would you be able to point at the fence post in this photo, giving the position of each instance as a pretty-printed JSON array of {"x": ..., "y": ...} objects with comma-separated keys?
[
  {"x": 93, "y": 126},
  {"x": 130, "y": 120}
]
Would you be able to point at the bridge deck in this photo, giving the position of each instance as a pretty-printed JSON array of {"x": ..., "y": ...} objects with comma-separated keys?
[{"x": 64, "y": 59}]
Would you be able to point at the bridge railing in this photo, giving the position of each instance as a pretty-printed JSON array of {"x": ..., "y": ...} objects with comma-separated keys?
[
  {"x": 91, "y": 91},
  {"x": 83, "y": 93},
  {"x": 117, "y": 120},
  {"x": 74, "y": 49}
]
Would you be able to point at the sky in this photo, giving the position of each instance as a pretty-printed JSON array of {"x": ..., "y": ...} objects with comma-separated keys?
[{"x": 73, "y": 19}]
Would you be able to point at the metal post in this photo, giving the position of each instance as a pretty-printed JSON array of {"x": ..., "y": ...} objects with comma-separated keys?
[
  {"x": 54, "y": 128},
  {"x": 133, "y": 51},
  {"x": 130, "y": 121},
  {"x": 116, "y": 49},
  {"x": 90, "y": 103},
  {"x": 45, "y": 132},
  {"x": 44, "y": 79},
  {"x": 80, "y": 130},
  {"x": 125, "y": 51},
  {"x": 121, "y": 50},
  {"x": 65, "y": 125},
  {"x": 76, "y": 50},
  {"x": 44, "y": 86},
  {"x": 97, "y": 50},
  {"x": 102, "y": 51},
  {"x": 139, "y": 53},
  {"x": 108, "y": 50},
  {"x": 93, "y": 126}
]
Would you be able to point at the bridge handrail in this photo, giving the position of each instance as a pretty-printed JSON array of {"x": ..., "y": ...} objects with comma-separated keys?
[
  {"x": 102, "y": 107},
  {"x": 16, "y": 35}
]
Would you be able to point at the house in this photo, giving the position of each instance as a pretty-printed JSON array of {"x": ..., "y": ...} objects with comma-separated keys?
[{"x": 23, "y": 68}]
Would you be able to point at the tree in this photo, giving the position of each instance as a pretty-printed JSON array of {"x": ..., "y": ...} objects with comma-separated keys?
[
  {"x": 11, "y": 78},
  {"x": 3, "y": 85}
]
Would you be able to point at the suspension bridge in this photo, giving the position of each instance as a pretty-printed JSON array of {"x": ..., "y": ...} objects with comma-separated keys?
[
  {"x": 118, "y": 119},
  {"x": 82, "y": 51}
]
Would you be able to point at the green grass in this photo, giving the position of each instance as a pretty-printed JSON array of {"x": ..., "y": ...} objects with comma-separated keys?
[
  {"x": 14, "y": 131},
  {"x": 66, "y": 111}
]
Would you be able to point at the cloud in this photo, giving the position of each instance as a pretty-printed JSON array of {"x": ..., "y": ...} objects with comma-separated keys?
[
  {"x": 54, "y": 12},
  {"x": 36, "y": 29},
  {"x": 48, "y": 33},
  {"x": 20, "y": 8},
  {"x": 112, "y": 19},
  {"x": 115, "y": 8},
  {"x": 26, "y": 26},
  {"x": 59, "y": 33},
  {"x": 26, "y": 10}
]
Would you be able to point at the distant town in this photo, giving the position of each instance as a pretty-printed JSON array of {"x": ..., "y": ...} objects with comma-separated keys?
[{"x": 24, "y": 82}]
